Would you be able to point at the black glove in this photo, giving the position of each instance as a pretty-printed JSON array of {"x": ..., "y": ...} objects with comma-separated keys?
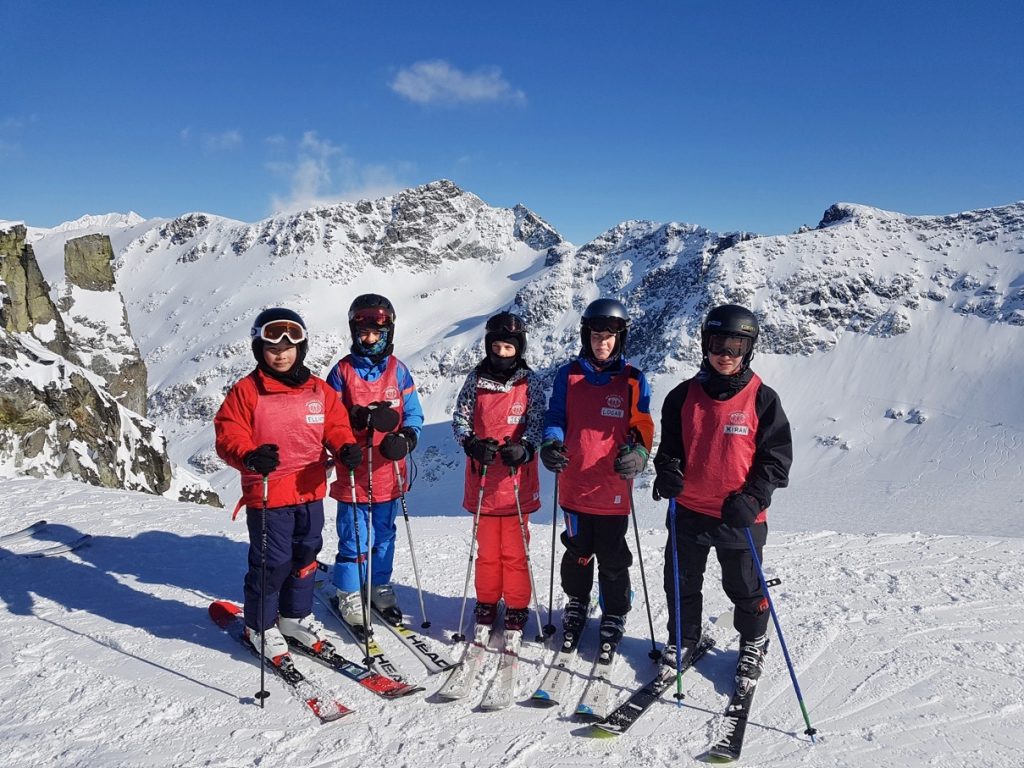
[
  {"x": 383, "y": 418},
  {"x": 350, "y": 454},
  {"x": 668, "y": 483},
  {"x": 263, "y": 460},
  {"x": 396, "y": 445},
  {"x": 482, "y": 451},
  {"x": 552, "y": 454},
  {"x": 514, "y": 454},
  {"x": 359, "y": 417},
  {"x": 631, "y": 461},
  {"x": 740, "y": 509}
]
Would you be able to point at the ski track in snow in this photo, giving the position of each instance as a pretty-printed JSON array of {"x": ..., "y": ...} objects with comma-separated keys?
[{"x": 907, "y": 647}]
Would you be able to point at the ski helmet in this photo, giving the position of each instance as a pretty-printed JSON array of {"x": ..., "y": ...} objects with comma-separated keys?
[
  {"x": 605, "y": 315},
  {"x": 266, "y": 320},
  {"x": 371, "y": 310},
  {"x": 730, "y": 320},
  {"x": 510, "y": 328}
]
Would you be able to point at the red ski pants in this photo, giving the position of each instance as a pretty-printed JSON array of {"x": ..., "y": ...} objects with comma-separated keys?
[{"x": 501, "y": 568}]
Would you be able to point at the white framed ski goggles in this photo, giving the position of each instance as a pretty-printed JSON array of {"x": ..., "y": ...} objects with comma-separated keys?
[{"x": 277, "y": 331}]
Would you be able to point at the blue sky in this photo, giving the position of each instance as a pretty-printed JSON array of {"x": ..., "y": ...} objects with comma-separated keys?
[{"x": 731, "y": 115}]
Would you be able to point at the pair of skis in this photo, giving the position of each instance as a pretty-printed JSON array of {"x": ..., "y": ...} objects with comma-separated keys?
[
  {"x": 58, "y": 548},
  {"x": 228, "y": 616},
  {"x": 434, "y": 661},
  {"x": 501, "y": 690},
  {"x": 734, "y": 720}
]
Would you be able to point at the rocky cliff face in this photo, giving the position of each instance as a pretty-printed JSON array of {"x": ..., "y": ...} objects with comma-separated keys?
[
  {"x": 26, "y": 305},
  {"x": 97, "y": 322},
  {"x": 67, "y": 381}
]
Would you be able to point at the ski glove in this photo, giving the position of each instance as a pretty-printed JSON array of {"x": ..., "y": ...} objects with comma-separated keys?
[
  {"x": 552, "y": 454},
  {"x": 381, "y": 416},
  {"x": 397, "y": 445},
  {"x": 350, "y": 454},
  {"x": 739, "y": 510},
  {"x": 631, "y": 461},
  {"x": 668, "y": 483},
  {"x": 263, "y": 460},
  {"x": 515, "y": 454},
  {"x": 482, "y": 451}
]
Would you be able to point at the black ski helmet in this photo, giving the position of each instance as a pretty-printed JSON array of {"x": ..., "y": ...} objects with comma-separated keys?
[
  {"x": 372, "y": 301},
  {"x": 605, "y": 314},
  {"x": 730, "y": 320},
  {"x": 269, "y": 316},
  {"x": 507, "y": 327}
]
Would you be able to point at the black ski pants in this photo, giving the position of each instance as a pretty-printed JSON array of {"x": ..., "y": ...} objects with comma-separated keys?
[
  {"x": 603, "y": 537},
  {"x": 740, "y": 581}
]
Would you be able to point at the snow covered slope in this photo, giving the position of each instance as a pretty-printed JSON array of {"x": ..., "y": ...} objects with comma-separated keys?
[{"x": 907, "y": 648}]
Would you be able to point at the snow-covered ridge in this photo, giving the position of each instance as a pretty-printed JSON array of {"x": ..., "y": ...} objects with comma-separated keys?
[{"x": 866, "y": 279}]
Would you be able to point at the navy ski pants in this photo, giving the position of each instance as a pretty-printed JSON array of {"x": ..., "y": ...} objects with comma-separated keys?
[{"x": 294, "y": 538}]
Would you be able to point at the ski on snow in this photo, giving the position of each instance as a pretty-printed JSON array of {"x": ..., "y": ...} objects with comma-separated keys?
[
  {"x": 23, "y": 533},
  {"x": 734, "y": 726},
  {"x": 326, "y": 594},
  {"x": 417, "y": 644},
  {"x": 382, "y": 685},
  {"x": 434, "y": 662},
  {"x": 622, "y": 718},
  {"x": 228, "y": 616},
  {"x": 57, "y": 548},
  {"x": 593, "y": 704},
  {"x": 502, "y": 690},
  {"x": 556, "y": 679},
  {"x": 461, "y": 678}
]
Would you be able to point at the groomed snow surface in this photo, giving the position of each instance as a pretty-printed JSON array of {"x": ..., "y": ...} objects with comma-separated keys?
[{"x": 908, "y": 648}]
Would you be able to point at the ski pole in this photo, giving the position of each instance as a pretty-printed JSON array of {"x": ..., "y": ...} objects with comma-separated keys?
[
  {"x": 412, "y": 549},
  {"x": 472, "y": 550},
  {"x": 549, "y": 628},
  {"x": 677, "y": 601},
  {"x": 514, "y": 474},
  {"x": 782, "y": 641},
  {"x": 654, "y": 654},
  {"x": 369, "y": 521},
  {"x": 359, "y": 568},
  {"x": 263, "y": 692}
]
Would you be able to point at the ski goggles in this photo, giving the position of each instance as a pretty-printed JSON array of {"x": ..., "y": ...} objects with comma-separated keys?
[
  {"x": 508, "y": 322},
  {"x": 606, "y": 324},
  {"x": 371, "y": 317},
  {"x": 729, "y": 346},
  {"x": 277, "y": 331}
]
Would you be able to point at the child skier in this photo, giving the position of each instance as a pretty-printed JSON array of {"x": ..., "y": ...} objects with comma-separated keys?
[
  {"x": 725, "y": 448},
  {"x": 378, "y": 391},
  {"x": 498, "y": 416},
  {"x": 598, "y": 431},
  {"x": 275, "y": 427}
]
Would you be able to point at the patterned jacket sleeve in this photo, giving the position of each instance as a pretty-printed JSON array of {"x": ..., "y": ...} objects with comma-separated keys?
[
  {"x": 465, "y": 403},
  {"x": 534, "y": 411}
]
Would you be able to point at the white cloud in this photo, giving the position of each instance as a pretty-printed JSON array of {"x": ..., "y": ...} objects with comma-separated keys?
[
  {"x": 438, "y": 82},
  {"x": 221, "y": 142},
  {"x": 323, "y": 173}
]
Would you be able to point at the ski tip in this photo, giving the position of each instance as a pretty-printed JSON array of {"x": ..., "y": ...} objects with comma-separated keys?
[
  {"x": 223, "y": 612},
  {"x": 598, "y": 731},
  {"x": 717, "y": 759}
]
